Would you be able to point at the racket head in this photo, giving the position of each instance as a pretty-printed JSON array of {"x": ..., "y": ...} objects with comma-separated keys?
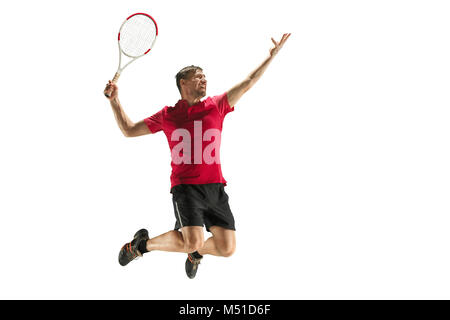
[{"x": 137, "y": 35}]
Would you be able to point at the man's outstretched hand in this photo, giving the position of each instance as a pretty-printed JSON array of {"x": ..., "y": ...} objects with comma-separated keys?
[{"x": 279, "y": 45}]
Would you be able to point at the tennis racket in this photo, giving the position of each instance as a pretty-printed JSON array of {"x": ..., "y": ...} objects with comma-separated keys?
[{"x": 137, "y": 35}]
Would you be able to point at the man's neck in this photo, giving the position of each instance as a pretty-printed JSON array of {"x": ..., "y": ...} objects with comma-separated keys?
[{"x": 191, "y": 100}]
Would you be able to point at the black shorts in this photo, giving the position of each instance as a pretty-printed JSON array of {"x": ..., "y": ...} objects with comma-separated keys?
[{"x": 201, "y": 204}]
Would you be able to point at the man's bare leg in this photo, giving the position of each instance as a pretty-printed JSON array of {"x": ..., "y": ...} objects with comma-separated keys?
[
  {"x": 190, "y": 239},
  {"x": 222, "y": 243}
]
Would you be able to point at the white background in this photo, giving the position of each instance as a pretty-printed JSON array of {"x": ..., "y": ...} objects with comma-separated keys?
[{"x": 337, "y": 160}]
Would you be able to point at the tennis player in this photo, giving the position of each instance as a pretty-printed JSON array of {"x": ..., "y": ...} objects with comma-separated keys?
[{"x": 193, "y": 129}]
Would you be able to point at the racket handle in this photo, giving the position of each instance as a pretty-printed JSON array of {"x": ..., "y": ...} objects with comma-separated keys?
[{"x": 114, "y": 80}]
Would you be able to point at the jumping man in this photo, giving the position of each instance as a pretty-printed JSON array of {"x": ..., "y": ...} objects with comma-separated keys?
[{"x": 193, "y": 129}]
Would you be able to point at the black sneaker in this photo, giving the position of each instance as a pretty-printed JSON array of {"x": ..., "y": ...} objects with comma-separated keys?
[
  {"x": 192, "y": 265},
  {"x": 130, "y": 251}
]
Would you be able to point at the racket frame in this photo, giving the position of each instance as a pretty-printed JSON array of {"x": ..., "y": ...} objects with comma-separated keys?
[{"x": 133, "y": 58}]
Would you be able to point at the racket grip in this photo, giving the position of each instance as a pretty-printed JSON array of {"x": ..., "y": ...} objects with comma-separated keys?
[
  {"x": 116, "y": 77},
  {"x": 114, "y": 80}
]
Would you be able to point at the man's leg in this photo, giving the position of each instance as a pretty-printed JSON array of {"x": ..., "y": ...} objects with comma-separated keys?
[
  {"x": 190, "y": 239},
  {"x": 222, "y": 243}
]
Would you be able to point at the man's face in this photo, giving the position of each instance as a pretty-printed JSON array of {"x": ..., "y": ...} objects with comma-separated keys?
[{"x": 196, "y": 84}]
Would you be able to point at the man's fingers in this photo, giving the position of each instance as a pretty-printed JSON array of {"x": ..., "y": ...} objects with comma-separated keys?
[
  {"x": 282, "y": 41},
  {"x": 284, "y": 38},
  {"x": 110, "y": 88},
  {"x": 111, "y": 85}
]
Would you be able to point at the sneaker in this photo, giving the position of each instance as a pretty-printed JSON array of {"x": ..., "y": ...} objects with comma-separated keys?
[
  {"x": 192, "y": 265},
  {"x": 130, "y": 251}
]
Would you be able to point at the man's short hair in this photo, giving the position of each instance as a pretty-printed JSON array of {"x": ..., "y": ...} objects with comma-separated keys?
[{"x": 185, "y": 73}]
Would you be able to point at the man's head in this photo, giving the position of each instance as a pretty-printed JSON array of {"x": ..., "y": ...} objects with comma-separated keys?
[{"x": 191, "y": 81}]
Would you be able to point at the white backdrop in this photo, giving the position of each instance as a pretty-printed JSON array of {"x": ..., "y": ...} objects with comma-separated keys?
[{"x": 337, "y": 160}]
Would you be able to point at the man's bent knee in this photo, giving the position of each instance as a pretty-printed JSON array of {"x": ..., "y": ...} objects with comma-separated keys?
[
  {"x": 191, "y": 246},
  {"x": 193, "y": 238},
  {"x": 227, "y": 250}
]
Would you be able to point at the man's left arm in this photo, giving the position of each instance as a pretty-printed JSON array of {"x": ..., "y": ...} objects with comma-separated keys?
[{"x": 235, "y": 93}]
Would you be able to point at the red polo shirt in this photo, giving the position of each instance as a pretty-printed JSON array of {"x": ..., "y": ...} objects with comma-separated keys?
[{"x": 194, "y": 134}]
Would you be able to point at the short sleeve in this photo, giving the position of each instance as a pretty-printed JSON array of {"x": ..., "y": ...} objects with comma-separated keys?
[
  {"x": 154, "y": 123},
  {"x": 222, "y": 104}
]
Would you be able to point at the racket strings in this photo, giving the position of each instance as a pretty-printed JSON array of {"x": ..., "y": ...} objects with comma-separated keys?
[{"x": 137, "y": 35}]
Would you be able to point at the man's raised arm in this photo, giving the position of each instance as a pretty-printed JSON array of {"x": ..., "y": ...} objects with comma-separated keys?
[
  {"x": 128, "y": 127},
  {"x": 235, "y": 93}
]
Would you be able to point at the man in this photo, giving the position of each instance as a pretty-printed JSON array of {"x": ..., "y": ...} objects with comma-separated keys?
[{"x": 193, "y": 128}]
